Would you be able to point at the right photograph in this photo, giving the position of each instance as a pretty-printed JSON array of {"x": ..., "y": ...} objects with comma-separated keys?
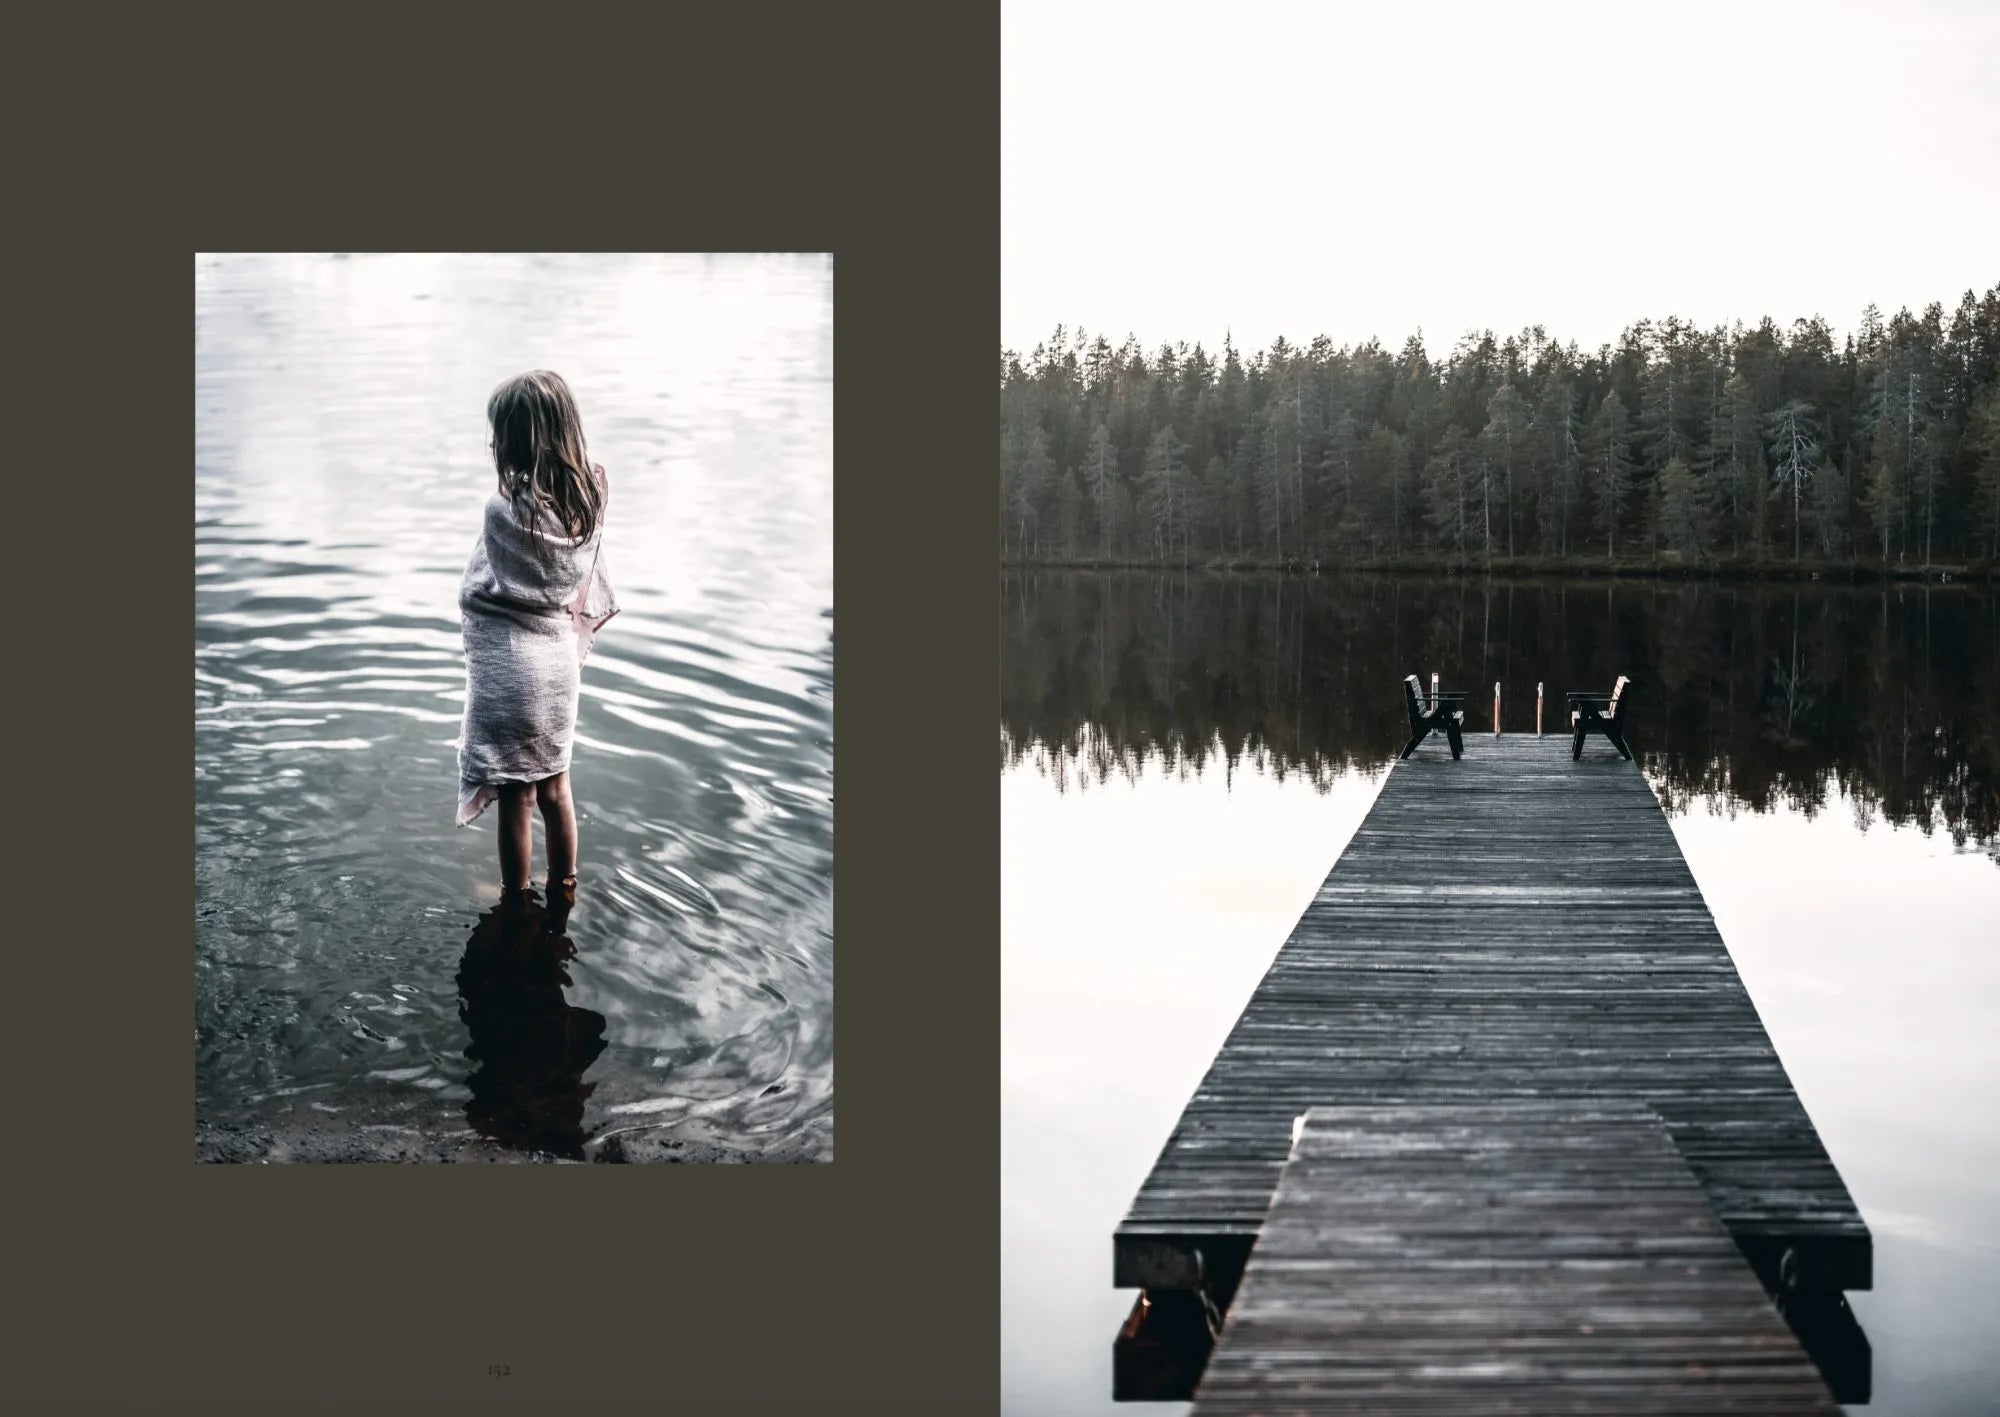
[{"x": 1500, "y": 630}]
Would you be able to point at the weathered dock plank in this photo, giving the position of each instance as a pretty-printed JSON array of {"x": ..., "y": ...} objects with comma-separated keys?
[
  {"x": 1519, "y": 1257},
  {"x": 1514, "y": 925}
]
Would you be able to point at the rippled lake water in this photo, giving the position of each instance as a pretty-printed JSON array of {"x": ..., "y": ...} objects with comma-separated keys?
[
  {"x": 1184, "y": 757},
  {"x": 356, "y": 994}
]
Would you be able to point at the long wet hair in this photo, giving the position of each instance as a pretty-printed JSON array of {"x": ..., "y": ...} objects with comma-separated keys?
[{"x": 539, "y": 454}]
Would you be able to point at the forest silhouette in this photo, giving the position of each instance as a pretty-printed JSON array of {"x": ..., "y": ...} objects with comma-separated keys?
[{"x": 1678, "y": 448}]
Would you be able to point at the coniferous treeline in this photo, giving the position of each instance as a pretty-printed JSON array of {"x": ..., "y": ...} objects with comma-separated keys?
[{"x": 1676, "y": 445}]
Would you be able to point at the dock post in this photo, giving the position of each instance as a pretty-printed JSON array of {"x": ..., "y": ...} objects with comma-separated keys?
[
  {"x": 1538, "y": 708},
  {"x": 1496, "y": 708},
  {"x": 1432, "y": 706}
]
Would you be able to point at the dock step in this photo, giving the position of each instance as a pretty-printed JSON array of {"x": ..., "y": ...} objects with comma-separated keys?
[{"x": 1529, "y": 1257}]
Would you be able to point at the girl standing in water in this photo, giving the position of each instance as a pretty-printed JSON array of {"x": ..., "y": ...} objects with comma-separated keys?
[{"x": 533, "y": 598}]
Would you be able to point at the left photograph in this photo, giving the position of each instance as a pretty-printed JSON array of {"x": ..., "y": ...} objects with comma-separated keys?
[{"x": 513, "y": 708}]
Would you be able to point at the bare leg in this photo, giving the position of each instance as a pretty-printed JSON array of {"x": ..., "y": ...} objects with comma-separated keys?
[
  {"x": 559, "y": 817},
  {"x": 517, "y": 842}
]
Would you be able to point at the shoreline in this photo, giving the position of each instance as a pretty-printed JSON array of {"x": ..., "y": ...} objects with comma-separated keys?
[
  {"x": 329, "y": 1138},
  {"x": 1522, "y": 567}
]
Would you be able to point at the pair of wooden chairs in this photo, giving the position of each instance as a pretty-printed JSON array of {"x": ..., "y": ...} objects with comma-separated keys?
[{"x": 1588, "y": 713}]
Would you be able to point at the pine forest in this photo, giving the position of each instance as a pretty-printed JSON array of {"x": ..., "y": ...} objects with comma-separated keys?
[{"x": 1755, "y": 448}]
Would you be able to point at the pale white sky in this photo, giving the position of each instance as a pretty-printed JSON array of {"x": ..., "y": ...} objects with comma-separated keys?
[{"x": 1175, "y": 170}]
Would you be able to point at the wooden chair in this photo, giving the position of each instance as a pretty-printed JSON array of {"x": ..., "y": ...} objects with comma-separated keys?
[
  {"x": 1447, "y": 713},
  {"x": 1600, "y": 713}
]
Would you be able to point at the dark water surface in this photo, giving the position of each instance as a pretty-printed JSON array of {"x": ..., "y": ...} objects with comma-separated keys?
[
  {"x": 350, "y": 972},
  {"x": 1184, "y": 756}
]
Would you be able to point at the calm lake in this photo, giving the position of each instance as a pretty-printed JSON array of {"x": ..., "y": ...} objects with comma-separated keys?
[
  {"x": 356, "y": 995},
  {"x": 1184, "y": 756}
]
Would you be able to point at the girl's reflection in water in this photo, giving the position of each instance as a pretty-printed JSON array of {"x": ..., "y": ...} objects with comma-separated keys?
[{"x": 529, "y": 1046}]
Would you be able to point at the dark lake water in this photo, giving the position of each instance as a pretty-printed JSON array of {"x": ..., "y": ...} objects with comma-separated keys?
[
  {"x": 1183, "y": 756},
  {"x": 350, "y": 974}
]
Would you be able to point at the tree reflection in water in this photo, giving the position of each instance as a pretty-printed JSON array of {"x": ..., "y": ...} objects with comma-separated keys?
[{"x": 1747, "y": 695}]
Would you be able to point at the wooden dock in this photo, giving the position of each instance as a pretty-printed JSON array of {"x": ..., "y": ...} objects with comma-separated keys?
[
  {"x": 1504, "y": 1258},
  {"x": 1512, "y": 927}
]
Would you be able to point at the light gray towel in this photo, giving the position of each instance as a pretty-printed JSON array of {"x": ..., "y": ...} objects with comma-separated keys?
[{"x": 530, "y": 612}]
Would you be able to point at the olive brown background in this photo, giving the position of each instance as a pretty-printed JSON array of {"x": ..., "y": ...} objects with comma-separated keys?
[{"x": 143, "y": 1282}]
